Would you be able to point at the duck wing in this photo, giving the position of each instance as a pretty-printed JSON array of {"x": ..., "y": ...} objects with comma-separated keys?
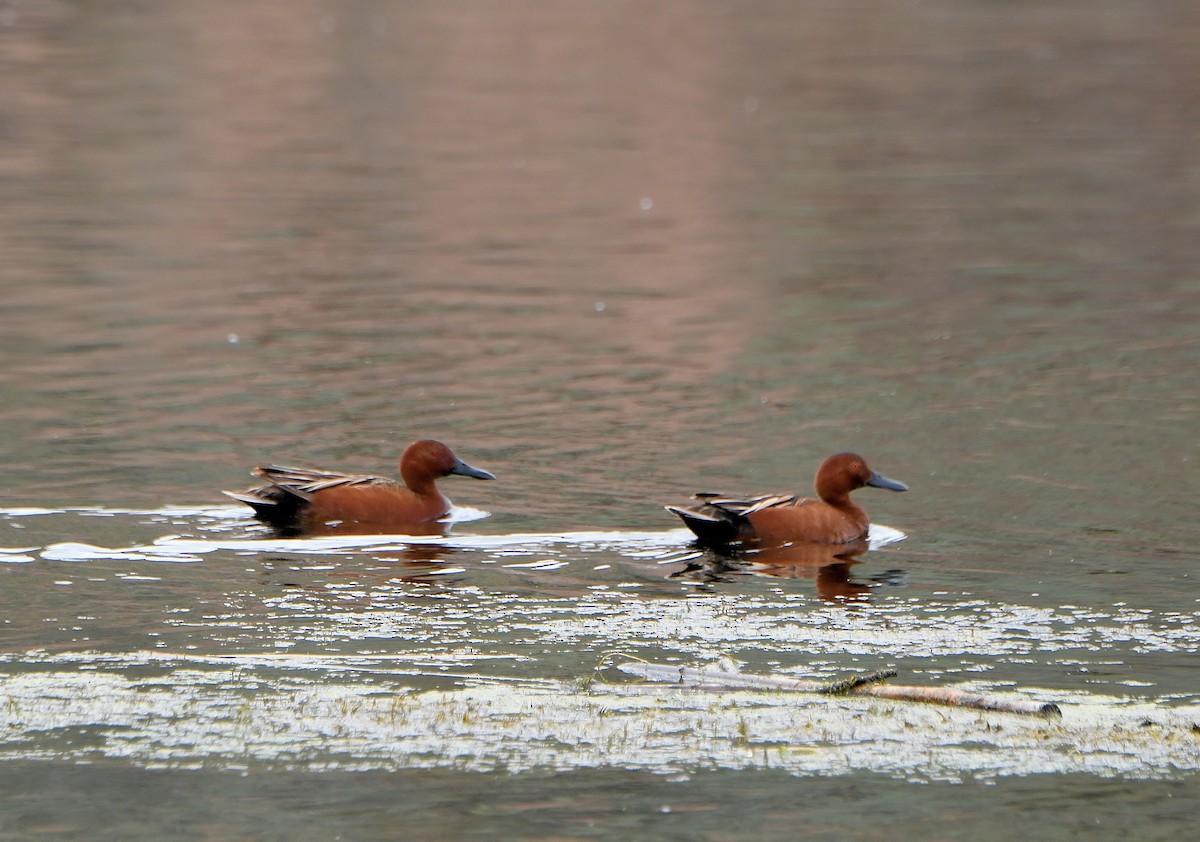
[
  {"x": 721, "y": 519},
  {"x": 745, "y": 506},
  {"x": 281, "y": 502},
  {"x": 305, "y": 482}
]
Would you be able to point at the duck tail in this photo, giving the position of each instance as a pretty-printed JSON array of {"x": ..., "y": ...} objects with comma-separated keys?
[
  {"x": 710, "y": 526},
  {"x": 275, "y": 508}
]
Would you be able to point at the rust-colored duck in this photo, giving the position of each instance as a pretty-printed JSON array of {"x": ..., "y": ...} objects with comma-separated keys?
[
  {"x": 771, "y": 520},
  {"x": 302, "y": 501}
]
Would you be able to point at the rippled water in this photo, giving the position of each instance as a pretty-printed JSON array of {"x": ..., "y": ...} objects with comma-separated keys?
[{"x": 613, "y": 253}]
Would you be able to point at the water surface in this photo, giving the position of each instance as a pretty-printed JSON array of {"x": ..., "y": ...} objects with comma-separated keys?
[{"x": 613, "y": 253}]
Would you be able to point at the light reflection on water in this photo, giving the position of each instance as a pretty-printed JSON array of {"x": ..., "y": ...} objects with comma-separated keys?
[
  {"x": 288, "y": 713},
  {"x": 377, "y": 652}
]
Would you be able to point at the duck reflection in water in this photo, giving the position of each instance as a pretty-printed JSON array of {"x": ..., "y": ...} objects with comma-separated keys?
[
  {"x": 298, "y": 502},
  {"x": 828, "y": 565},
  {"x": 789, "y": 536},
  {"x": 414, "y": 564},
  {"x": 419, "y": 564}
]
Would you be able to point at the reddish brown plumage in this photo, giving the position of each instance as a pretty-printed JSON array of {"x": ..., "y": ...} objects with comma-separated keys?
[
  {"x": 379, "y": 503},
  {"x": 831, "y": 518},
  {"x": 301, "y": 501}
]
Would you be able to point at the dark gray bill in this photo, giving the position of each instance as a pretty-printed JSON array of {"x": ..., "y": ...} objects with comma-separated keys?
[
  {"x": 880, "y": 481},
  {"x": 463, "y": 469}
]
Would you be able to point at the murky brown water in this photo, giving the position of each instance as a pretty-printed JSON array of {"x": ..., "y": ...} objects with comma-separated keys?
[{"x": 614, "y": 253}]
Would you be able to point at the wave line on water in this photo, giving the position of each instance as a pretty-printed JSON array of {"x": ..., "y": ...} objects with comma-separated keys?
[{"x": 180, "y": 549}]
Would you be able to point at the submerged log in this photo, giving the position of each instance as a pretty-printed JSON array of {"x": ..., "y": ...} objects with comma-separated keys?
[{"x": 868, "y": 685}]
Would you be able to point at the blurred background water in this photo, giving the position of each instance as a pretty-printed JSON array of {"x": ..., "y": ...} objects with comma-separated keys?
[{"x": 614, "y": 253}]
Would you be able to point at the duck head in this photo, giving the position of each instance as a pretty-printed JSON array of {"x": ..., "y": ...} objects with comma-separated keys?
[{"x": 845, "y": 472}]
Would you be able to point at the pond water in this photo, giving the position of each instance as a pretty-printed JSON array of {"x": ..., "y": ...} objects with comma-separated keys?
[{"x": 614, "y": 253}]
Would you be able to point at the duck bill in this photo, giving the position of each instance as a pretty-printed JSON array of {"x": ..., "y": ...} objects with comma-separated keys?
[
  {"x": 880, "y": 481},
  {"x": 464, "y": 470}
]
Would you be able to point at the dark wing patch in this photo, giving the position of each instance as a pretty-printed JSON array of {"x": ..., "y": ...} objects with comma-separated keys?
[
  {"x": 745, "y": 506},
  {"x": 304, "y": 482},
  {"x": 282, "y": 502},
  {"x": 721, "y": 519}
]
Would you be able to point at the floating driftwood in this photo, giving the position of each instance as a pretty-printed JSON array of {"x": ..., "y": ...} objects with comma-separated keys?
[{"x": 865, "y": 685}]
